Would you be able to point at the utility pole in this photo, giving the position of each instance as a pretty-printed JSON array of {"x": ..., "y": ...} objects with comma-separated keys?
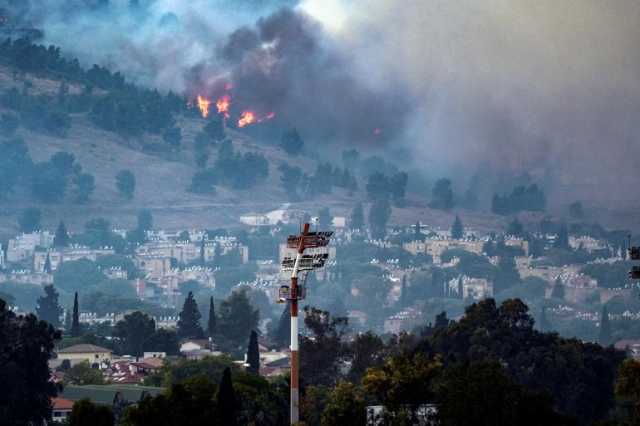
[{"x": 302, "y": 262}]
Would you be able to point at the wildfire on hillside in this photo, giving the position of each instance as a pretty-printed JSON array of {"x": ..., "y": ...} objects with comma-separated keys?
[
  {"x": 203, "y": 106},
  {"x": 250, "y": 117},
  {"x": 223, "y": 105}
]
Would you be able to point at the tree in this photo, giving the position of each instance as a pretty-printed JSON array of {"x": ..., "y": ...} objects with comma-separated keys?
[
  {"x": 133, "y": 332},
  {"x": 558, "y": 290},
  {"x": 576, "y": 211},
  {"x": 543, "y": 323},
  {"x": 379, "y": 215},
  {"x": 346, "y": 405},
  {"x": 457, "y": 229},
  {"x": 126, "y": 183},
  {"x": 404, "y": 293},
  {"x": 189, "y": 321},
  {"x": 75, "y": 319},
  {"x": 604, "y": 335},
  {"x": 85, "y": 184},
  {"x": 507, "y": 275},
  {"x": 377, "y": 186},
  {"x": 226, "y": 399},
  {"x": 515, "y": 228},
  {"x": 253, "y": 354},
  {"x": 325, "y": 220},
  {"x": 48, "y": 183},
  {"x": 26, "y": 345},
  {"x": 562, "y": 240},
  {"x": 398, "y": 186},
  {"x": 442, "y": 195},
  {"x": 85, "y": 412},
  {"x": 83, "y": 374},
  {"x": 29, "y": 220},
  {"x": 164, "y": 340},
  {"x": 627, "y": 388},
  {"x": 290, "y": 180},
  {"x": 145, "y": 220},
  {"x": 63, "y": 162},
  {"x": 211, "y": 323},
  {"x": 215, "y": 128},
  {"x": 282, "y": 332},
  {"x": 172, "y": 136},
  {"x": 201, "y": 150},
  {"x": 48, "y": 308},
  {"x": 483, "y": 394},
  {"x": 291, "y": 142},
  {"x": 357, "y": 217},
  {"x": 237, "y": 318},
  {"x": 61, "y": 239}
]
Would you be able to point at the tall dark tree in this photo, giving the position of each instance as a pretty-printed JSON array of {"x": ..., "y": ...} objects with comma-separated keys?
[
  {"x": 558, "y": 289},
  {"x": 507, "y": 275},
  {"x": 29, "y": 220},
  {"x": 189, "y": 321},
  {"x": 253, "y": 354},
  {"x": 211, "y": 323},
  {"x": 543, "y": 322},
  {"x": 26, "y": 345},
  {"x": 133, "y": 332},
  {"x": 515, "y": 228},
  {"x": 604, "y": 335},
  {"x": 61, "y": 239},
  {"x": 48, "y": 308},
  {"x": 404, "y": 293},
  {"x": 291, "y": 142},
  {"x": 379, "y": 215},
  {"x": 357, "y": 217},
  {"x": 457, "y": 229},
  {"x": 85, "y": 185},
  {"x": 282, "y": 332},
  {"x": 562, "y": 240},
  {"x": 237, "y": 318},
  {"x": 226, "y": 399},
  {"x": 75, "y": 319},
  {"x": 442, "y": 195},
  {"x": 47, "y": 265},
  {"x": 85, "y": 412},
  {"x": 126, "y": 183},
  {"x": 325, "y": 219}
]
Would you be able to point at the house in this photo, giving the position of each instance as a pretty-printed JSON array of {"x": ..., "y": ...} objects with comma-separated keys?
[
  {"x": 630, "y": 346},
  {"x": 116, "y": 396},
  {"x": 61, "y": 409},
  {"x": 472, "y": 288},
  {"x": 85, "y": 352},
  {"x": 435, "y": 247},
  {"x": 23, "y": 246},
  {"x": 196, "y": 348},
  {"x": 425, "y": 415}
]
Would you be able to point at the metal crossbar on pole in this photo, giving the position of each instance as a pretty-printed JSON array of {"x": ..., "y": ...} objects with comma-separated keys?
[{"x": 301, "y": 263}]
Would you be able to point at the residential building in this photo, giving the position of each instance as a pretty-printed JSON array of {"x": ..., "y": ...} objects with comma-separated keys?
[
  {"x": 68, "y": 254},
  {"x": 26, "y": 277},
  {"x": 403, "y": 320},
  {"x": 61, "y": 409},
  {"x": 435, "y": 247},
  {"x": 472, "y": 288},
  {"x": 518, "y": 243},
  {"x": 23, "y": 246},
  {"x": 85, "y": 352}
]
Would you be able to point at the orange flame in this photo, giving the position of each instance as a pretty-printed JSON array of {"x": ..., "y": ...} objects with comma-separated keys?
[
  {"x": 223, "y": 104},
  {"x": 203, "y": 106},
  {"x": 247, "y": 117}
]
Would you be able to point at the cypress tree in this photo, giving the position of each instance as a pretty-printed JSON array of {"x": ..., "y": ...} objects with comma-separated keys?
[
  {"x": 558, "y": 290},
  {"x": 404, "y": 296},
  {"x": 47, "y": 265},
  {"x": 544, "y": 324},
  {"x": 61, "y": 239},
  {"x": 283, "y": 331},
  {"x": 67, "y": 320},
  {"x": 457, "y": 229},
  {"x": 357, "y": 217},
  {"x": 211, "y": 325},
  {"x": 202, "y": 261},
  {"x": 604, "y": 337},
  {"x": 189, "y": 321},
  {"x": 226, "y": 400},
  {"x": 48, "y": 308},
  {"x": 253, "y": 354},
  {"x": 75, "y": 321}
]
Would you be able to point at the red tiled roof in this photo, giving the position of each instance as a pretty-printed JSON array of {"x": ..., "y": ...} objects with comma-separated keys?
[{"x": 61, "y": 404}]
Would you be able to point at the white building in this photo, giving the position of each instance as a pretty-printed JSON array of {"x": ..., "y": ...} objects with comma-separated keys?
[
  {"x": 67, "y": 254},
  {"x": 23, "y": 246},
  {"x": 472, "y": 288}
]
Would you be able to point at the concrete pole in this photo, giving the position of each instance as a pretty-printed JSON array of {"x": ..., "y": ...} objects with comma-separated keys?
[{"x": 295, "y": 358}]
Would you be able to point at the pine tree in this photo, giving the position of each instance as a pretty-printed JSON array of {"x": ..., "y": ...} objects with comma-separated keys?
[
  {"x": 418, "y": 233},
  {"x": 75, "y": 321},
  {"x": 357, "y": 217},
  {"x": 47, "y": 265},
  {"x": 457, "y": 229},
  {"x": 283, "y": 331},
  {"x": 604, "y": 337},
  {"x": 558, "y": 290},
  {"x": 67, "y": 320},
  {"x": 253, "y": 354},
  {"x": 48, "y": 308},
  {"x": 61, "y": 238},
  {"x": 562, "y": 242},
  {"x": 404, "y": 296},
  {"x": 543, "y": 323},
  {"x": 189, "y": 321},
  {"x": 211, "y": 325},
  {"x": 226, "y": 400}
]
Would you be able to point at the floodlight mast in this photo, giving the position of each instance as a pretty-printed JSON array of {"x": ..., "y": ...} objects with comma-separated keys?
[{"x": 295, "y": 359}]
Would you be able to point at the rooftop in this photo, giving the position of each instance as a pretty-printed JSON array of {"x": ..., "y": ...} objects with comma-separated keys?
[{"x": 83, "y": 349}]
